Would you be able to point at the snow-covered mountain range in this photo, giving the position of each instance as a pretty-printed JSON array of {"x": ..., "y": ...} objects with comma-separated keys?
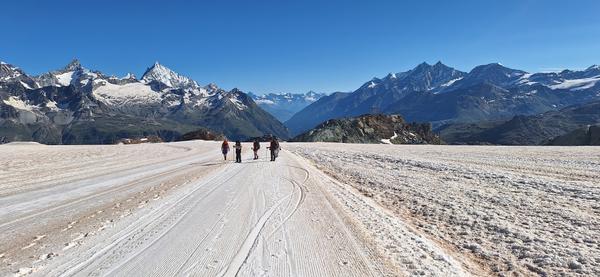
[
  {"x": 441, "y": 94},
  {"x": 78, "y": 105},
  {"x": 284, "y": 105}
]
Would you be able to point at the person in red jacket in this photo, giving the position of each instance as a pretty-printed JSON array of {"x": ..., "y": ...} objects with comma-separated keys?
[{"x": 225, "y": 148}]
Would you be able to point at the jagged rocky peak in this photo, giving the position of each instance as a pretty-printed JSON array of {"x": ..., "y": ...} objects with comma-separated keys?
[
  {"x": 211, "y": 87},
  {"x": 74, "y": 65},
  {"x": 168, "y": 77},
  {"x": 594, "y": 67},
  {"x": 9, "y": 71},
  {"x": 593, "y": 70},
  {"x": 422, "y": 66}
]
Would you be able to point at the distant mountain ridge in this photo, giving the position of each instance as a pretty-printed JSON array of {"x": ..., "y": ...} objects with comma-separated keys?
[
  {"x": 284, "y": 105},
  {"x": 78, "y": 105},
  {"x": 441, "y": 94}
]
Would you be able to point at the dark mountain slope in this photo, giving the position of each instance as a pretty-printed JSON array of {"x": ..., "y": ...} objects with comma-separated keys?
[{"x": 527, "y": 130}]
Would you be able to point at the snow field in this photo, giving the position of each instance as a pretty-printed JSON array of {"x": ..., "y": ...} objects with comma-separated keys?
[
  {"x": 173, "y": 209},
  {"x": 506, "y": 210}
]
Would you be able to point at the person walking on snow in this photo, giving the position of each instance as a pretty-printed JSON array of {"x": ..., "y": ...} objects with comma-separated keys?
[
  {"x": 238, "y": 151},
  {"x": 274, "y": 147},
  {"x": 255, "y": 148},
  {"x": 225, "y": 149}
]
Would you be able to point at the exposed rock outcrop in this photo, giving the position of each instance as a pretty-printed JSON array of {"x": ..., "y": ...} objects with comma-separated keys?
[{"x": 368, "y": 128}]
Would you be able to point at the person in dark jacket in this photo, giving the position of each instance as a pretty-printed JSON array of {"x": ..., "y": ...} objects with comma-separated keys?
[
  {"x": 225, "y": 149},
  {"x": 238, "y": 151},
  {"x": 255, "y": 148},
  {"x": 274, "y": 147}
]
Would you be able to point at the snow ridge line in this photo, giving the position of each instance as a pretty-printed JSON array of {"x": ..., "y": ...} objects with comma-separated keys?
[
  {"x": 242, "y": 255},
  {"x": 78, "y": 267}
]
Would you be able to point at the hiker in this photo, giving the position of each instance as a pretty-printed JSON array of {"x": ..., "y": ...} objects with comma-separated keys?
[
  {"x": 255, "y": 148},
  {"x": 274, "y": 147},
  {"x": 225, "y": 149},
  {"x": 238, "y": 151}
]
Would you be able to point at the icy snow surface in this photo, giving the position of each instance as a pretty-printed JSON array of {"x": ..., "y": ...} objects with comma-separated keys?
[
  {"x": 18, "y": 103},
  {"x": 577, "y": 84},
  {"x": 65, "y": 78},
  {"x": 513, "y": 210},
  {"x": 175, "y": 209},
  {"x": 132, "y": 93},
  {"x": 238, "y": 104},
  {"x": 449, "y": 83}
]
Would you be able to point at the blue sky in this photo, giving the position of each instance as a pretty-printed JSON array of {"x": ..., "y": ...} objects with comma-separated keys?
[{"x": 296, "y": 46}]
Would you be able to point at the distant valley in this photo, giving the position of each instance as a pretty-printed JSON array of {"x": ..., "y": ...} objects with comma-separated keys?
[{"x": 284, "y": 105}]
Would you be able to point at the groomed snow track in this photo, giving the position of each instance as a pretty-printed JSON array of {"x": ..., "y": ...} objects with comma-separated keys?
[{"x": 182, "y": 213}]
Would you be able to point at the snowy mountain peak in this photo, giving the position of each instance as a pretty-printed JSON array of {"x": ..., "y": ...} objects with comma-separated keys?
[
  {"x": 593, "y": 67},
  {"x": 211, "y": 87},
  {"x": 168, "y": 77},
  {"x": 8, "y": 71},
  {"x": 129, "y": 76},
  {"x": 495, "y": 69}
]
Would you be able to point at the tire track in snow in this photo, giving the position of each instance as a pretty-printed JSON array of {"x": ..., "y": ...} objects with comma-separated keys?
[
  {"x": 302, "y": 190},
  {"x": 242, "y": 255}
]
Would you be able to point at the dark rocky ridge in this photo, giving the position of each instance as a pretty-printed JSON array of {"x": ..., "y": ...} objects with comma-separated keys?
[
  {"x": 201, "y": 134},
  {"x": 589, "y": 135},
  {"x": 371, "y": 129},
  {"x": 524, "y": 130}
]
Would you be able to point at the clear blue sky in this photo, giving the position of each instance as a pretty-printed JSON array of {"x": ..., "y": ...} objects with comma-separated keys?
[{"x": 296, "y": 46}]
